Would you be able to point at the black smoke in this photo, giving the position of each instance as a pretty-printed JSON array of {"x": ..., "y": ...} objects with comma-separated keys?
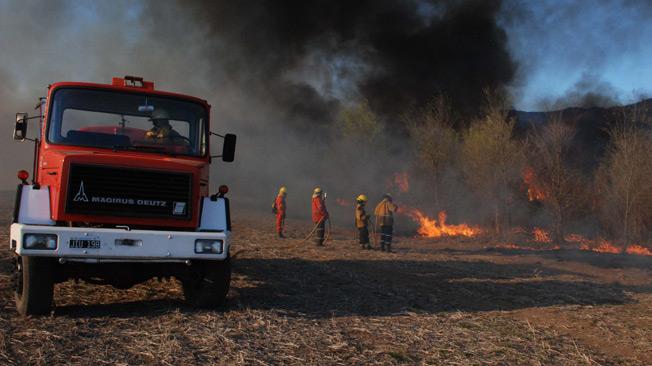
[{"x": 396, "y": 54}]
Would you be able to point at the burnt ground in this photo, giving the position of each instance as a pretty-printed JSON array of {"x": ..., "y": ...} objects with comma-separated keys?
[{"x": 432, "y": 302}]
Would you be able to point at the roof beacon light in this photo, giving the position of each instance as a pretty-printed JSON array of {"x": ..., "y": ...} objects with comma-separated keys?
[{"x": 133, "y": 82}]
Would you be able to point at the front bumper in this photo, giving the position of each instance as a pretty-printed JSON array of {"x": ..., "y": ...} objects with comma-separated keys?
[{"x": 141, "y": 245}]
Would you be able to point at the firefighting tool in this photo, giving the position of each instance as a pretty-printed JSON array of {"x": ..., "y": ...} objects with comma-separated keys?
[{"x": 312, "y": 231}]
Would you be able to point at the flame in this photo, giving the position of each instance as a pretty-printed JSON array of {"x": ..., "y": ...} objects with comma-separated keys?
[
  {"x": 534, "y": 193},
  {"x": 541, "y": 236},
  {"x": 520, "y": 247},
  {"x": 579, "y": 239},
  {"x": 432, "y": 228},
  {"x": 507, "y": 246},
  {"x": 401, "y": 182},
  {"x": 599, "y": 245},
  {"x": 342, "y": 202},
  {"x": 636, "y": 249},
  {"x": 605, "y": 246}
]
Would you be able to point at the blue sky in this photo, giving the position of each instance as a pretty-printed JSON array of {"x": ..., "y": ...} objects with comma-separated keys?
[{"x": 559, "y": 43}]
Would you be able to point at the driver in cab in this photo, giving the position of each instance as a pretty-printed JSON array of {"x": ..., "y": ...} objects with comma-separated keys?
[{"x": 162, "y": 132}]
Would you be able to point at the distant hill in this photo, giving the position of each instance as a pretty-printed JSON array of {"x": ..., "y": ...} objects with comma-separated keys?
[{"x": 591, "y": 123}]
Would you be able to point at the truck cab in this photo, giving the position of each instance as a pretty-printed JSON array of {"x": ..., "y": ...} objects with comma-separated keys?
[{"x": 120, "y": 194}]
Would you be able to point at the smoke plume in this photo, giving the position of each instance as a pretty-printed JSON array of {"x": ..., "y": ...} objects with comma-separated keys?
[
  {"x": 276, "y": 72},
  {"x": 305, "y": 57}
]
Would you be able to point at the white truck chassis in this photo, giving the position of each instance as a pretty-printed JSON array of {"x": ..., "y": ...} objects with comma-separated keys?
[{"x": 119, "y": 255}]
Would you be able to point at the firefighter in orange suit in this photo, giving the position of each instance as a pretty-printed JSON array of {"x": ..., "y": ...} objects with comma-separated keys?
[
  {"x": 279, "y": 208},
  {"x": 319, "y": 215},
  {"x": 384, "y": 213},
  {"x": 362, "y": 221}
]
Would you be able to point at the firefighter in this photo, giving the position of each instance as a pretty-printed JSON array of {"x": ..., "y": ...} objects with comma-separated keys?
[
  {"x": 362, "y": 222},
  {"x": 319, "y": 215},
  {"x": 384, "y": 213},
  {"x": 162, "y": 131},
  {"x": 279, "y": 208}
]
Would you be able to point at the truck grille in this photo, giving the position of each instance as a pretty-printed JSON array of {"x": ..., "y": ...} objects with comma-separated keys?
[{"x": 110, "y": 191}]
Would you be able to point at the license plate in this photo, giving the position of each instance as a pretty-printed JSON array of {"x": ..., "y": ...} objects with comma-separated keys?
[{"x": 84, "y": 243}]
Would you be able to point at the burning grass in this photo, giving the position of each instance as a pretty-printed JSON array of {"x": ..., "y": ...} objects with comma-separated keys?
[
  {"x": 401, "y": 182},
  {"x": 429, "y": 303},
  {"x": 534, "y": 192},
  {"x": 541, "y": 238},
  {"x": 432, "y": 228}
]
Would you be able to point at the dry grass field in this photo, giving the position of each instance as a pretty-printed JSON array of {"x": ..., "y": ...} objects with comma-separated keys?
[{"x": 432, "y": 302}]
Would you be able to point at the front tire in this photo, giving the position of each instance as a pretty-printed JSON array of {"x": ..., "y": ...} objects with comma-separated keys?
[
  {"x": 34, "y": 285},
  {"x": 208, "y": 286}
]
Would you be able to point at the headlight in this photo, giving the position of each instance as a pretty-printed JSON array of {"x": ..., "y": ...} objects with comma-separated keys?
[
  {"x": 40, "y": 241},
  {"x": 209, "y": 246}
]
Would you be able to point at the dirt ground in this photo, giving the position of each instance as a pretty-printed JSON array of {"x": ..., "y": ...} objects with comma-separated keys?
[{"x": 432, "y": 302}]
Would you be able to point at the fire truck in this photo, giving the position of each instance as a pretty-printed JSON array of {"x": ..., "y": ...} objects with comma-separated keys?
[{"x": 119, "y": 194}]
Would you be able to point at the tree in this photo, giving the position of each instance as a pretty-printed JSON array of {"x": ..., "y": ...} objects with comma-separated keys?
[
  {"x": 358, "y": 146},
  {"x": 359, "y": 122},
  {"x": 435, "y": 140},
  {"x": 623, "y": 179},
  {"x": 492, "y": 159},
  {"x": 549, "y": 157}
]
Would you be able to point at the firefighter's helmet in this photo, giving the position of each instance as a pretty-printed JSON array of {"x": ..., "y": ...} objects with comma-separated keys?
[
  {"x": 361, "y": 198},
  {"x": 283, "y": 190},
  {"x": 160, "y": 114},
  {"x": 317, "y": 190},
  {"x": 160, "y": 118}
]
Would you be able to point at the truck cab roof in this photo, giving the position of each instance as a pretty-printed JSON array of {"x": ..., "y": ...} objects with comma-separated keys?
[{"x": 131, "y": 84}]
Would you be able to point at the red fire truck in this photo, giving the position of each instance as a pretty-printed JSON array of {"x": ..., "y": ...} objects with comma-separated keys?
[{"x": 120, "y": 194}]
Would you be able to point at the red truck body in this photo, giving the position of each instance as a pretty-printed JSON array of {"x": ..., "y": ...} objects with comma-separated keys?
[{"x": 53, "y": 163}]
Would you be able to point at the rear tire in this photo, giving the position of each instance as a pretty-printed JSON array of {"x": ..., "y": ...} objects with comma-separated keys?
[
  {"x": 34, "y": 285},
  {"x": 209, "y": 285}
]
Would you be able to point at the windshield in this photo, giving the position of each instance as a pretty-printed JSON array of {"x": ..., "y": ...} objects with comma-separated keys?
[{"x": 100, "y": 118}]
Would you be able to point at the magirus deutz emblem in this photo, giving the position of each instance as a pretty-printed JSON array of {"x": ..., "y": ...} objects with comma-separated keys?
[{"x": 81, "y": 195}]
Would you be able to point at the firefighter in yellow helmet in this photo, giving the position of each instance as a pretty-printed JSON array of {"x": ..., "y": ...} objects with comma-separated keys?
[
  {"x": 384, "y": 213},
  {"x": 362, "y": 221},
  {"x": 279, "y": 208}
]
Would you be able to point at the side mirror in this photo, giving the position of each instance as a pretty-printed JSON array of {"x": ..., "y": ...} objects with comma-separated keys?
[
  {"x": 20, "y": 129},
  {"x": 228, "y": 151}
]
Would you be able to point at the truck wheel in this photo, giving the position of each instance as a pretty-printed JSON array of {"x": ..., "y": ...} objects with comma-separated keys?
[
  {"x": 34, "y": 285},
  {"x": 210, "y": 284}
]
